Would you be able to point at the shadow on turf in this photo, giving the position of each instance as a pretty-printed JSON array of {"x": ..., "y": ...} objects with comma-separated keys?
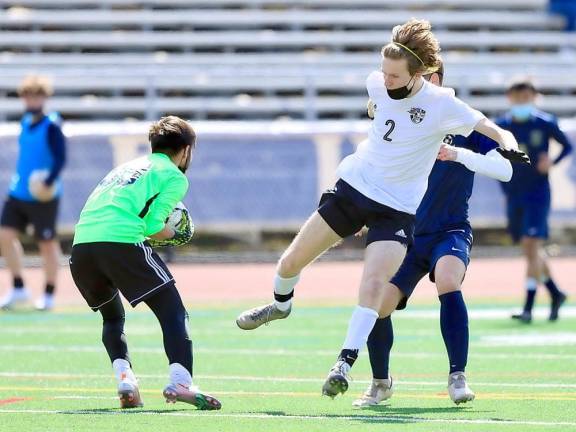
[
  {"x": 108, "y": 411},
  {"x": 388, "y": 414}
]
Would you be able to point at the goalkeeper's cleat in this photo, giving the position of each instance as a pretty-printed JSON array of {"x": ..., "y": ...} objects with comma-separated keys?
[
  {"x": 337, "y": 379},
  {"x": 458, "y": 388},
  {"x": 129, "y": 395},
  {"x": 378, "y": 391},
  {"x": 254, "y": 318},
  {"x": 525, "y": 317},
  {"x": 192, "y": 395},
  {"x": 557, "y": 302}
]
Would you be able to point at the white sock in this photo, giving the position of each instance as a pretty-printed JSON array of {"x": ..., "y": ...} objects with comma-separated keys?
[
  {"x": 531, "y": 284},
  {"x": 180, "y": 375},
  {"x": 123, "y": 371},
  {"x": 359, "y": 328},
  {"x": 284, "y": 286}
]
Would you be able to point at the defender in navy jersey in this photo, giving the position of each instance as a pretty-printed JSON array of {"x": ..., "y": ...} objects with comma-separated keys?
[
  {"x": 442, "y": 243},
  {"x": 34, "y": 192},
  {"x": 528, "y": 193}
]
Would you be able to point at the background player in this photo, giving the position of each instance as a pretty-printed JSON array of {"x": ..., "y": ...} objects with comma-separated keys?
[
  {"x": 110, "y": 254},
  {"x": 33, "y": 200},
  {"x": 442, "y": 243},
  {"x": 528, "y": 193}
]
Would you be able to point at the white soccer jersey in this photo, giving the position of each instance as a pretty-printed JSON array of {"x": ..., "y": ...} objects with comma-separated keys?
[{"x": 393, "y": 164}]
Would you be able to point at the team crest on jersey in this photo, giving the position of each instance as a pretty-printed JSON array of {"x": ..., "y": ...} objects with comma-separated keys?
[{"x": 417, "y": 115}]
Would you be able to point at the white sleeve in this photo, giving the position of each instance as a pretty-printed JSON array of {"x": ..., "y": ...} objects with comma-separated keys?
[
  {"x": 492, "y": 164},
  {"x": 459, "y": 118}
]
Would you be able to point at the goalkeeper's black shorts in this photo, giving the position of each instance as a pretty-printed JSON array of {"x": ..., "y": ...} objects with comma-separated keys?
[{"x": 102, "y": 269}]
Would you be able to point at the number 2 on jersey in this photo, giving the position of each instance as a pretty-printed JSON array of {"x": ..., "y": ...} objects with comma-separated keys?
[{"x": 392, "y": 126}]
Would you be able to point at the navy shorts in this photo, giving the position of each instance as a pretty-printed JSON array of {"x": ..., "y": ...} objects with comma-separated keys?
[
  {"x": 347, "y": 211},
  {"x": 528, "y": 218},
  {"x": 18, "y": 214},
  {"x": 423, "y": 255},
  {"x": 102, "y": 269}
]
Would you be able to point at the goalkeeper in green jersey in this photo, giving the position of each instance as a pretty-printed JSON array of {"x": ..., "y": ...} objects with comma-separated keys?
[{"x": 111, "y": 255}]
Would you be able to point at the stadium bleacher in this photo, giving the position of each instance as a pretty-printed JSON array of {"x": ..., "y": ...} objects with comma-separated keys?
[{"x": 265, "y": 59}]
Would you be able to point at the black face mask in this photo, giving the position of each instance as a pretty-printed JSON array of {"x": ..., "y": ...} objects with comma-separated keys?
[
  {"x": 184, "y": 168},
  {"x": 402, "y": 92}
]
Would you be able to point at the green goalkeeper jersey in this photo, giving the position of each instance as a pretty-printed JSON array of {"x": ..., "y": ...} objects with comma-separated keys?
[{"x": 132, "y": 202}]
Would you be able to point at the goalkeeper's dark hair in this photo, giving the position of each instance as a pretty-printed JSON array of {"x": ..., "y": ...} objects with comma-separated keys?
[{"x": 171, "y": 134}]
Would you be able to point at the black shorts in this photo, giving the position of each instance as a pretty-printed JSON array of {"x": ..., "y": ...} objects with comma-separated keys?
[
  {"x": 102, "y": 269},
  {"x": 18, "y": 214},
  {"x": 347, "y": 211}
]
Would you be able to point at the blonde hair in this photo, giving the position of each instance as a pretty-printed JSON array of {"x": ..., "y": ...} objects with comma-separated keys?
[
  {"x": 38, "y": 85},
  {"x": 415, "y": 42}
]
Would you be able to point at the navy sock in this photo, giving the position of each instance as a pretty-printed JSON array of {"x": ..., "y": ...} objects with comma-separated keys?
[
  {"x": 349, "y": 356},
  {"x": 530, "y": 297},
  {"x": 18, "y": 282},
  {"x": 50, "y": 288},
  {"x": 379, "y": 346},
  {"x": 454, "y": 326},
  {"x": 552, "y": 287}
]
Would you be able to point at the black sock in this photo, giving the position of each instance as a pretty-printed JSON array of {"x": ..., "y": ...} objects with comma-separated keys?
[
  {"x": 454, "y": 326},
  {"x": 18, "y": 282},
  {"x": 171, "y": 313},
  {"x": 50, "y": 288},
  {"x": 379, "y": 346},
  {"x": 530, "y": 297},
  {"x": 552, "y": 287},
  {"x": 113, "y": 336},
  {"x": 349, "y": 356}
]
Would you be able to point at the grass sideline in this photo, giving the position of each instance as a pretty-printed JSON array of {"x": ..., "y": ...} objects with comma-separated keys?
[{"x": 55, "y": 374}]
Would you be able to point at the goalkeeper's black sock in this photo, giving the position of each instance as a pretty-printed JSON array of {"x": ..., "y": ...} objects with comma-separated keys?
[{"x": 168, "y": 308}]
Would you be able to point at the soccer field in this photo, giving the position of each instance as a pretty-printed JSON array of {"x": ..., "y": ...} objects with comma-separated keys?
[{"x": 55, "y": 375}]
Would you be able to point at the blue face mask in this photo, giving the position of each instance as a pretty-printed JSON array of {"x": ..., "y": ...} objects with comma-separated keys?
[{"x": 521, "y": 112}]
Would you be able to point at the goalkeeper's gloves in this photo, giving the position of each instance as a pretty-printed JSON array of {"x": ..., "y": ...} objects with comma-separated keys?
[
  {"x": 516, "y": 156},
  {"x": 183, "y": 233}
]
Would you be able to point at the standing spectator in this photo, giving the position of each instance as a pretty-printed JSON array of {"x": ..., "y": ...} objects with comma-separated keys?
[{"x": 34, "y": 193}]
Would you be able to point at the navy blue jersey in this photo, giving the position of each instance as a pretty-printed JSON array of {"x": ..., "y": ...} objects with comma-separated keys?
[
  {"x": 533, "y": 136},
  {"x": 445, "y": 204}
]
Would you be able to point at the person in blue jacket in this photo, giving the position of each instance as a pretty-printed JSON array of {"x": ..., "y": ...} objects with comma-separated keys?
[{"x": 34, "y": 192}]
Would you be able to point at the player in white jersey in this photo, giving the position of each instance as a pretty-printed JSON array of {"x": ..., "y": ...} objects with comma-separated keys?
[{"x": 380, "y": 186}]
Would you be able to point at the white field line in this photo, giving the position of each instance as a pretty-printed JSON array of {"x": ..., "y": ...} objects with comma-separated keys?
[
  {"x": 372, "y": 419},
  {"x": 401, "y": 383},
  {"x": 283, "y": 352}
]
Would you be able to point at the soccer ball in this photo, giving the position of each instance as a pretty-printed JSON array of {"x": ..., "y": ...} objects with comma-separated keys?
[
  {"x": 179, "y": 212},
  {"x": 36, "y": 183}
]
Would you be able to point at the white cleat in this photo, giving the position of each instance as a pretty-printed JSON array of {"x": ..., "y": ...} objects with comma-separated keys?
[
  {"x": 14, "y": 297},
  {"x": 129, "y": 395},
  {"x": 45, "y": 303},
  {"x": 378, "y": 391},
  {"x": 337, "y": 379},
  {"x": 254, "y": 318},
  {"x": 191, "y": 395},
  {"x": 458, "y": 388}
]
